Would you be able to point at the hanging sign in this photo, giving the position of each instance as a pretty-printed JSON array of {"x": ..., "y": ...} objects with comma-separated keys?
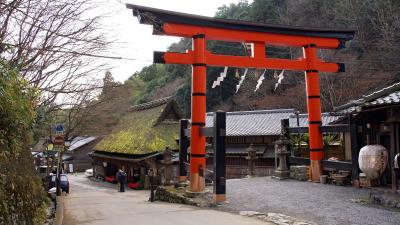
[{"x": 59, "y": 143}]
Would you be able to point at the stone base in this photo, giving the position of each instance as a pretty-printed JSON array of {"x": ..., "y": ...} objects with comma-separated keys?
[
  {"x": 219, "y": 198},
  {"x": 281, "y": 174},
  {"x": 181, "y": 184},
  {"x": 174, "y": 195},
  {"x": 299, "y": 173},
  {"x": 191, "y": 194},
  {"x": 167, "y": 194},
  {"x": 315, "y": 170}
]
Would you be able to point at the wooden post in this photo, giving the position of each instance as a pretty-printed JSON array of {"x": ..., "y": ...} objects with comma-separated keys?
[
  {"x": 394, "y": 144},
  {"x": 285, "y": 133},
  {"x": 314, "y": 113},
  {"x": 197, "y": 141},
  {"x": 183, "y": 146},
  {"x": 354, "y": 151},
  {"x": 219, "y": 157}
]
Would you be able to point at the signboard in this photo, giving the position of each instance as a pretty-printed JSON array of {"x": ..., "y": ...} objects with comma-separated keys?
[
  {"x": 60, "y": 128},
  {"x": 58, "y": 140},
  {"x": 50, "y": 146},
  {"x": 59, "y": 148},
  {"x": 58, "y": 143},
  {"x": 49, "y": 153}
]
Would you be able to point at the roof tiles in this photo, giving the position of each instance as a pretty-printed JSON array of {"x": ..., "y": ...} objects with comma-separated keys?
[
  {"x": 253, "y": 123},
  {"x": 326, "y": 119},
  {"x": 386, "y": 96}
]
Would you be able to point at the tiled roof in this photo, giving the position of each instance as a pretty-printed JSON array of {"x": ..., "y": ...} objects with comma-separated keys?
[
  {"x": 253, "y": 123},
  {"x": 326, "y": 118},
  {"x": 78, "y": 142},
  {"x": 386, "y": 96}
]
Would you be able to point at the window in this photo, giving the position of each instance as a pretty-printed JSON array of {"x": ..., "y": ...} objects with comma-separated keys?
[
  {"x": 235, "y": 140},
  {"x": 254, "y": 140}
]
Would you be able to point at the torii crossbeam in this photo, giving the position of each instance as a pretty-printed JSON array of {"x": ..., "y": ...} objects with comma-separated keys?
[{"x": 201, "y": 28}]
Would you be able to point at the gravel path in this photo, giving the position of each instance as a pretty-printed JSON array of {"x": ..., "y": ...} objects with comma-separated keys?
[{"x": 323, "y": 204}]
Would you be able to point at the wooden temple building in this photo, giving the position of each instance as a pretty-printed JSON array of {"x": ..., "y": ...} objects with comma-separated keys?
[
  {"x": 336, "y": 138},
  {"x": 139, "y": 141},
  {"x": 249, "y": 130},
  {"x": 374, "y": 119},
  {"x": 76, "y": 158}
]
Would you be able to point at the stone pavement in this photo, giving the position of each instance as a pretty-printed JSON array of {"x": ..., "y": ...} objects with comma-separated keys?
[
  {"x": 91, "y": 202},
  {"x": 322, "y": 204}
]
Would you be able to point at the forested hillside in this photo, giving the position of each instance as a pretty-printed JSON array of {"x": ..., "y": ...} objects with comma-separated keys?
[{"x": 371, "y": 58}]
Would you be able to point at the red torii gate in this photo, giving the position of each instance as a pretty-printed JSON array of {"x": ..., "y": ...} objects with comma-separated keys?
[{"x": 201, "y": 28}]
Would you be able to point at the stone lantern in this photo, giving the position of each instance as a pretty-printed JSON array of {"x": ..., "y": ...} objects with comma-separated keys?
[
  {"x": 167, "y": 162},
  {"x": 281, "y": 152},
  {"x": 251, "y": 157}
]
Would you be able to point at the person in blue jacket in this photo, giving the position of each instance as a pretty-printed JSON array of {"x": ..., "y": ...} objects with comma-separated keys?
[{"x": 121, "y": 176}]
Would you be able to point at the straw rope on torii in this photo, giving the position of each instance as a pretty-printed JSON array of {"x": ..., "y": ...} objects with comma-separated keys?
[{"x": 201, "y": 28}]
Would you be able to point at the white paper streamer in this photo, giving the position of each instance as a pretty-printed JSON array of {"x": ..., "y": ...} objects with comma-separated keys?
[
  {"x": 241, "y": 80},
  {"x": 280, "y": 78},
  {"x": 260, "y": 80},
  {"x": 221, "y": 78}
]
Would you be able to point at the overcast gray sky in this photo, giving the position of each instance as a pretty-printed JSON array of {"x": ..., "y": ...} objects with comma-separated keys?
[{"x": 134, "y": 40}]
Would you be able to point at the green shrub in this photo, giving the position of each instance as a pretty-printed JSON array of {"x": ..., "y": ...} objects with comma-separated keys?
[{"x": 22, "y": 198}]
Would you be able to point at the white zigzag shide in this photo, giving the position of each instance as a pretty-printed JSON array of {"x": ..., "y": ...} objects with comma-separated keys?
[
  {"x": 220, "y": 78},
  {"x": 260, "y": 80},
  {"x": 241, "y": 80}
]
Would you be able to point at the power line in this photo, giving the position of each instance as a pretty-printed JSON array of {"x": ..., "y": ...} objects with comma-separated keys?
[{"x": 79, "y": 53}]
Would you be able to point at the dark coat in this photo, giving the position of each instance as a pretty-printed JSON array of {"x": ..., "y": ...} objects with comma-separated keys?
[{"x": 121, "y": 176}]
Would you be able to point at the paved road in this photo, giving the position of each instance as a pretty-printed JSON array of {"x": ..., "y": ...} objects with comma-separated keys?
[
  {"x": 323, "y": 204},
  {"x": 98, "y": 203}
]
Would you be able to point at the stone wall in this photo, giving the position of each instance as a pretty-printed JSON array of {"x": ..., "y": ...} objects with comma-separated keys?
[
  {"x": 179, "y": 195},
  {"x": 234, "y": 172},
  {"x": 385, "y": 199},
  {"x": 299, "y": 173}
]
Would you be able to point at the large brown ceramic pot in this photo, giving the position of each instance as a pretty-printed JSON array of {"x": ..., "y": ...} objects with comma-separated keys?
[{"x": 373, "y": 160}]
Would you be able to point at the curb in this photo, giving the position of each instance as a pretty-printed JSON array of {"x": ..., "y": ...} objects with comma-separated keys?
[{"x": 59, "y": 210}]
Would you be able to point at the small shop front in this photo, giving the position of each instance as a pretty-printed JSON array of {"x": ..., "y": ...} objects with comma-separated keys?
[{"x": 106, "y": 166}]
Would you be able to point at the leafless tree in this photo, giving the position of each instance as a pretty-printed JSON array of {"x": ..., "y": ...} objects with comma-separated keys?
[{"x": 54, "y": 44}]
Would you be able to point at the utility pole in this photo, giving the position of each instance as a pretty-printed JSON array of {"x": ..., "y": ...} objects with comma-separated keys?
[
  {"x": 58, "y": 174},
  {"x": 59, "y": 145}
]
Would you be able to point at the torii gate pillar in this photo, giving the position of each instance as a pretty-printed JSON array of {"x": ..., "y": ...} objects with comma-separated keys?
[
  {"x": 198, "y": 141},
  {"x": 314, "y": 112}
]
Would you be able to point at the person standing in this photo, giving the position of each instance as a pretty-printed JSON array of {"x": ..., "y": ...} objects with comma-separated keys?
[
  {"x": 150, "y": 173},
  {"x": 396, "y": 168},
  {"x": 121, "y": 175}
]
